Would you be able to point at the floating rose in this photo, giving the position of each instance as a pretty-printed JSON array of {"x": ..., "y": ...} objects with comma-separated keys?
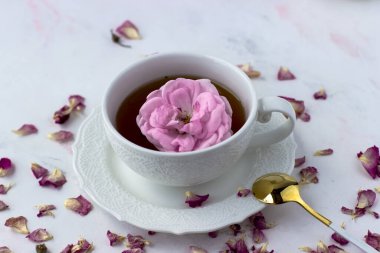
[
  {"x": 298, "y": 107},
  {"x": 82, "y": 246},
  {"x": 61, "y": 136},
  {"x": 39, "y": 235},
  {"x": 373, "y": 240},
  {"x": 55, "y": 179},
  {"x": 285, "y": 74},
  {"x": 243, "y": 192},
  {"x": 299, "y": 161},
  {"x": 18, "y": 224},
  {"x": 114, "y": 238},
  {"x": 195, "y": 249},
  {"x": 339, "y": 239},
  {"x": 5, "y": 188},
  {"x": 5, "y": 249},
  {"x": 5, "y": 166},
  {"x": 213, "y": 234},
  {"x": 249, "y": 71},
  {"x": 136, "y": 242},
  {"x": 79, "y": 205},
  {"x": 129, "y": 31},
  {"x": 185, "y": 115},
  {"x": 309, "y": 175},
  {"x": 26, "y": 129},
  {"x": 45, "y": 210},
  {"x": 76, "y": 103},
  {"x": 324, "y": 152},
  {"x": 41, "y": 248},
  {"x": 365, "y": 200},
  {"x": 321, "y": 94},
  {"x": 194, "y": 200},
  {"x": 3, "y": 206},
  {"x": 39, "y": 171},
  {"x": 370, "y": 160}
]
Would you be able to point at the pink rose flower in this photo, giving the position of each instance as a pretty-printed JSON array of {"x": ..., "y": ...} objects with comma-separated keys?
[{"x": 185, "y": 115}]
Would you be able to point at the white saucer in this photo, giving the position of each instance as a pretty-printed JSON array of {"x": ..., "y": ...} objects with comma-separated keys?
[{"x": 136, "y": 200}]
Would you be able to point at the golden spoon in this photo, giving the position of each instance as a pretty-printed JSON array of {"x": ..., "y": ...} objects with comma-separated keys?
[{"x": 279, "y": 188}]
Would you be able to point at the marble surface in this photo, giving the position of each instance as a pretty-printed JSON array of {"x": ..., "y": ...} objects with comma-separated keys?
[{"x": 51, "y": 49}]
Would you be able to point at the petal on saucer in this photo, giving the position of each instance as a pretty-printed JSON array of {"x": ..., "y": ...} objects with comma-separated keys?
[
  {"x": 243, "y": 192},
  {"x": 194, "y": 200}
]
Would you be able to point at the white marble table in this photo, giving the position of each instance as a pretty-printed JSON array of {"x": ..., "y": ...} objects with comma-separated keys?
[{"x": 51, "y": 49}]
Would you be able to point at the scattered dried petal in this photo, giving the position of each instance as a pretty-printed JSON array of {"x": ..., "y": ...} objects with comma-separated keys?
[
  {"x": 136, "y": 250},
  {"x": 82, "y": 246},
  {"x": 258, "y": 235},
  {"x": 3, "y": 206},
  {"x": 5, "y": 249},
  {"x": 243, "y": 192},
  {"x": 76, "y": 103},
  {"x": 45, "y": 210},
  {"x": 26, "y": 129},
  {"x": 237, "y": 245},
  {"x": 5, "y": 188},
  {"x": 136, "y": 242},
  {"x": 79, "y": 205},
  {"x": 322, "y": 248},
  {"x": 18, "y": 224},
  {"x": 346, "y": 210},
  {"x": 117, "y": 40},
  {"x": 236, "y": 229},
  {"x": 128, "y": 30},
  {"x": 285, "y": 74},
  {"x": 373, "y": 240},
  {"x": 377, "y": 189},
  {"x": 339, "y": 239},
  {"x": 67, "y": 249},
  {"x": 56, "y": 179},
  {"x": 195, "y": 249},
  {"x": 249, "y": 71},
  {"x": 41, "y": 248},
  {"x": 321, "y": 94},
  {"x": 151, "y": 232},
  {"x": 39, "y": 235},
  {"x": 323, "y": 152},
  {"x": 309, "y": 175},
  {"x": 259, "y": 222},
  {"x": 336, "y": 249},
  {"x": 61, "y": 136},
  {"x": 263, "y": 249},
  {"x": 305, "y": 117},
  {"x": 307, "y": 249},
  {"x": 114, "y": 238},
  {"x": 39, "y": 171},
  {"x": 194, "y": 200},
  {"x": 213, "y": 234},
  {"x": 299, "y": 161},
  {"x": 5, "y": 166},
  {"x": 370, "y": 160},
  {"x": 298, "y": 105},
  {"x": 365, "y": 200}
]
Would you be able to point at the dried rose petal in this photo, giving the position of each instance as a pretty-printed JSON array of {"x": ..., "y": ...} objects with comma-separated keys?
[
  {"x": 249, "y": 71},
  {"x": 335, "y": 249},
  {"x": 117, "y": 40},
  {"x": 195, "y": 249},
  {"x": 136, "y": 241},
  {"x": 5, "y": 166},
  {"x": 67, "y": 249},
  {"x": 5, "y": 188},
  {"x": 194, "y": 200},
  {"x": 26, "y": 129},
  {"x": 309, "y": 175},
  {"x": 238, "y": 245},
  {"x": 5, "y": 249},
  {"x": 61, "y": 136},
  {"x": 18, "y": 224},
  {"x": 82, "y": 246},
  {"x": 236, "y": 229},
  {"x": 373, "y": 240},
  {"x": 41, "y": 248},
  {"x": 305, "y": 117},
  {"x": 298, "y": 105},
  {"x": 213, "y": 234},
  {"x": 3, "y": 206},
  {"x": 307, "y": 249},
  {"x": 76, "y": 103},
  {"x": 258, "y": 235},
  {"x": 45, "y": 210},
  {"x": 285, "y": 74},
  {"x": 56, "y": 179},
  {"x": 339, "y": 239},
  {"x": 128, "y": 30},
  {"x": 135, "y": 250},
  {"x": 370, "y": 160},
  {"x": 262, "y": 249},
  {"x": 243, "y": 192},
  {"x": 114, "y": 238},
  {"x": 366, "y": 199},
  {"x": 321, "y": 94},
  {"x": 39, "y": 171},
  {"x": 299, "y": 161},
  {"x": 151, "y": 232},
  {"x": 39, "y": 235},
  {"x": 323, "y": 152},
  {"x": 346, "y": 210},
  {"x": 259, "y": 222},
  {"x": 79, "y": 205}
]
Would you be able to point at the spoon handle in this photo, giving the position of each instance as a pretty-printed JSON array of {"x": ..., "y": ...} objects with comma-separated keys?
[{"x": 360, "y": 244}]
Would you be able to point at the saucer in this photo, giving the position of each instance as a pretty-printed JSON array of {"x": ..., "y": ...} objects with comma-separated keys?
[{"x": 151, "y": 206}]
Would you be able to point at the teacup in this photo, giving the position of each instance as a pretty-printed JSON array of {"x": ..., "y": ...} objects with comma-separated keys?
[{"x": 193, "y": 167}]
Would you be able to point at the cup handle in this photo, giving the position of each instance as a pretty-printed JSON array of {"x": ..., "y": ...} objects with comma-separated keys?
[{"x": 266, "y": 106}]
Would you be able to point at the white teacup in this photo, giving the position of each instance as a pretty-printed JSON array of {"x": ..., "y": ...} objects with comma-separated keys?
[{"x": 194, "y": 167}]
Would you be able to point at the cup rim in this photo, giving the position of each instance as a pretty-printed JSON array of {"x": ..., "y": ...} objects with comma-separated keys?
[{"x": 250, "y": 119}]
